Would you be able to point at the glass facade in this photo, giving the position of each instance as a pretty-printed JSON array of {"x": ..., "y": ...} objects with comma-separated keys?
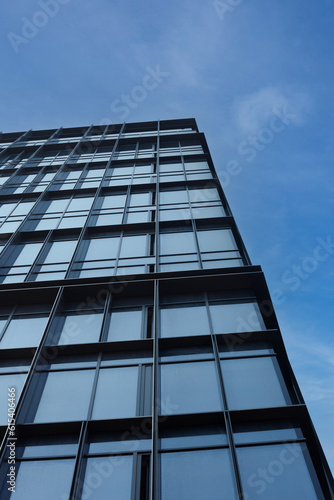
[{"x": 138, "y": 344}]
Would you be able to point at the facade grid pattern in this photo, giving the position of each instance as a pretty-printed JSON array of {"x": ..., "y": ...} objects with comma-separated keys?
[{"x": 141, "y": 342}]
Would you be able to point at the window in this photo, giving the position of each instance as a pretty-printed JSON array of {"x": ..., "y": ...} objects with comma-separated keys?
[
  {"x": 277, "y": 471},
  {"x": 218, "y": 248},
  {"x": 197, "y": 474},
  {"x": 54, "y": 264},
  {"x": 253, "y": 383},
  {"x": 77, "y": 327},
  {"x": 116, "y": 478},
  {"x": 7, "y": 381},
  {"x": 184, "y": 320},
  {"x": 12, "y": 215},
  {"x": 178, "y": 251},
  {"x": 108, "y": 210},
  {"x": 22, "y": 331},
  {"x": 189, "y": 388},
  {"x": 236, "y": 317},
  {"x": 116, "y": 394},
  {"x": 61, "y": 396},
  {"x": 41, "y": 479},
  {"x": 44, "y": 468},
  {"x": 125, "y": 324},
  {"x": 97, "y": 257},
  {"x": 18, "y": 260}
]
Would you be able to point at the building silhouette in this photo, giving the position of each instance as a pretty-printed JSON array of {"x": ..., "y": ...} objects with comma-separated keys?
[{"x": 138, "y": 344}]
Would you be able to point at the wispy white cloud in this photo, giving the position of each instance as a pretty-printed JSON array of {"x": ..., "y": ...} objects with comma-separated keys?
[{"x": 252, "y": 111}]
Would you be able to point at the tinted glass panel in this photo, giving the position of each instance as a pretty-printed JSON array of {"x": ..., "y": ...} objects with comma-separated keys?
[
  {"x": 174, "y": 243},
  {"x": 189, "y": 388},
  {"x": 220, "y": 239},
  {"x": 9, "y": 381},
  {"x": 276, "y": 472},
  {"x": 132, "y": 246},
  {"x": 65, "y": 396},
  {"x": 240, "y": 317},
  {"x": 116, "y": 478},
  {"x": 102, "y": 248},
  {"x": 197, "y": 475},
  {"x": 78, "y": 328},
  {"x": 116, "y": 394},
  {"x": 125, "y": 325},
  {"x": 28, "y": 254},
  {"x": 60, "y": 251},
  {"x": 252, "y": 383},
  {"x": 43, "y": 479},
  {"x": 184, "y": 321},
  {"x": 23, "y": 332}
]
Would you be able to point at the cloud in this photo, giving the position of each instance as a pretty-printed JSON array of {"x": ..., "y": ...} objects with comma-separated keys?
[{"x": 253, "y": 111}]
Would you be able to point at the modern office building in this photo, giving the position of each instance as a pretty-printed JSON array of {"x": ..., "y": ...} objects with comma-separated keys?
[{"x": 138, "y": 344}]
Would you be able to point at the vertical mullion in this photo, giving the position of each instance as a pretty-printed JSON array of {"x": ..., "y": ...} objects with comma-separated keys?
[
  {"x": 155, "y": 398},
  {"x": 75, "y": 486},
  {"x": 226, "y": 414}
]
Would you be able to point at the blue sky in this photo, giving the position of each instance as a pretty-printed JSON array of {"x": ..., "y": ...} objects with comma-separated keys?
[{"x": 258, "y": 77}]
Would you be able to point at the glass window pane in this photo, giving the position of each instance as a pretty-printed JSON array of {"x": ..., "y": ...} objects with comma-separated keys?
[
  {"x": 78, "y": 328},
  {"x": 114, "y": 483},
  {"x": 252, "y": 383},
  {"x": 189, "y": 388},
  {"x": 102, "y": 248},
  {"x": 43, "y": 479},
  {"x": 60, "y": 251},
  {"x": 23, "y": 208},
  {"x": 207, "y": 212},
  {"x": 184, "y": 321},
  {"x": 2, "y": 324},
  {"x": 203, "y": 195},
  {"x": 196, "y": 165},
  {"x": 140, "y": 199},
  {"x": 80, "y": 204},
  {"x": 171, "y": 197},
  {"x": 23, "y": 332},
  {"x": 8, "y": 381},
  {"x": 133, "y": 246},
  {"x": 114, "y": 201},
  {"x": 213, "y": 240},
  {"x": 125, "y": 325},
  {"x": 197, "y": 475},
  {"x": 65, "y": 396},
  {"x": 54, "y": 206},
  {"x": 276, "y": 472},
  {"x": 116, "y": 394},
  {"x": 28, "y": 254},
  {"x": 174, "y": 243},
  {"x": 227, "y": 318},
  {"x": 6, "y": 208}
]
